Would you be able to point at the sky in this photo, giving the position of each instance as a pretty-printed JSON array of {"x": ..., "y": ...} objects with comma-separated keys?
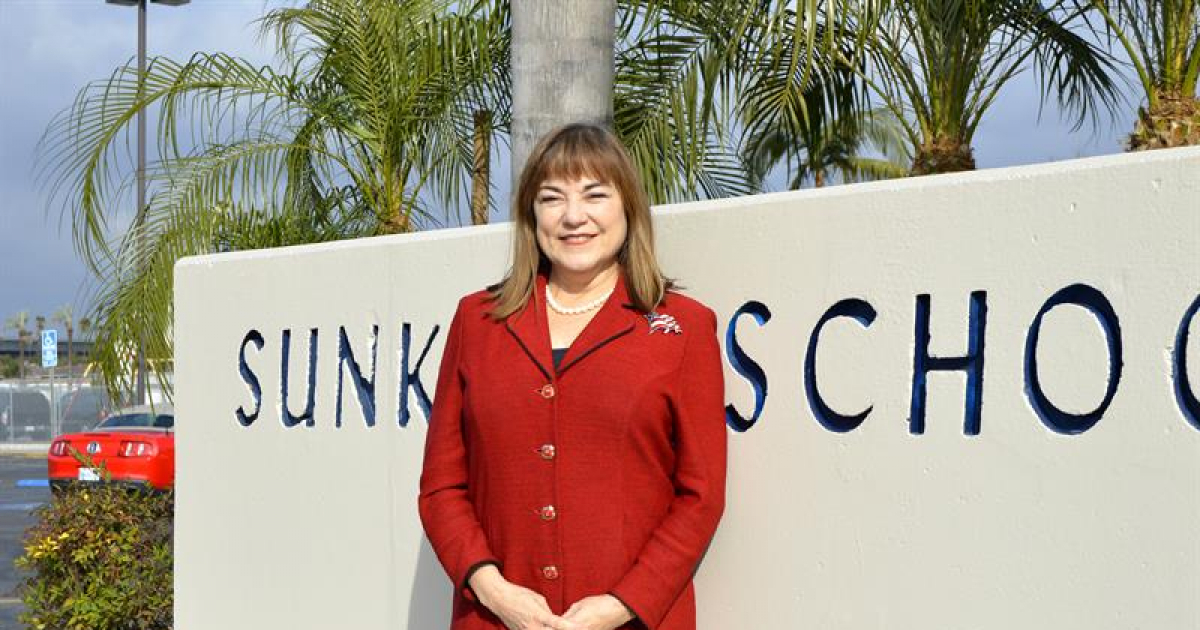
[{"x": 49, "y": 49}]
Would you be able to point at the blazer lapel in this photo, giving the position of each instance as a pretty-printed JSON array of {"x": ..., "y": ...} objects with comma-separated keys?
[
  {"x": 532, "y": 331},
  {"x": 615, "y": 318}
]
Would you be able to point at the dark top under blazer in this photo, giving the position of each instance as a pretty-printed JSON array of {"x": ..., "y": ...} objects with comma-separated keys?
[{"x": 604, "y": 476}]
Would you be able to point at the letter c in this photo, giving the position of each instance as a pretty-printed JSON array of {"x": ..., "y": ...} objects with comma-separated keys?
[{"x": 861, "y": 312}]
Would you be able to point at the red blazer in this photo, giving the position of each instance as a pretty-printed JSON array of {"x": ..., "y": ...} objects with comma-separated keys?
[{"x": 605, "y": 476}]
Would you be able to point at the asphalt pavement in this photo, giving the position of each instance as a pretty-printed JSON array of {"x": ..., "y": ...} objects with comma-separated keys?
[{"x": 22, "y": 488}]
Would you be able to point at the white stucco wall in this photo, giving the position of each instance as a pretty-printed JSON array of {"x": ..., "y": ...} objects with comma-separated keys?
[{"x": 1019, "y": 526}]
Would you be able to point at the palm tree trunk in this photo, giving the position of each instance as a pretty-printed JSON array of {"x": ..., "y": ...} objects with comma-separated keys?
[
  {"x": 943, "y": 155},
  {"x": 482, "y": 174},
  {"x": 1172, "y": 120},
  {"x": 70, "y": 351},
  {"x": 562, "y": 68},
  {"x": 396, "y": 223},
  {"x": 396, "y": 219},
  {"x": 85, "y": 326}
]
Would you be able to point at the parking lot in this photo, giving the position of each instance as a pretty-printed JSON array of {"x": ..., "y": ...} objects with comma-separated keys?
[{"x": 18, "y": 498}]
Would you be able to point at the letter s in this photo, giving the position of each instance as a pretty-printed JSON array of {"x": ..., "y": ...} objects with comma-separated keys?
[
  {"x": 251, "y": 379},
  {"x": 746, "y": 366}
]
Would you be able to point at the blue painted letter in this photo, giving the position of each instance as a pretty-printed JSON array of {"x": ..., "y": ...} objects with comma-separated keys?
[
  {"x": 1054, "y": 418},
  {"x": 251, "y": 379},
  {"x": 972, "y": 364},
  {"x": 412, "y": 380},
  {"x": 1184, "y": 393},
  {"x": 746, "y": 366},
  {"x": 364, "y": 386},
  {"x": 306, "y": 417},
  {"x": 861, "y": 312}
]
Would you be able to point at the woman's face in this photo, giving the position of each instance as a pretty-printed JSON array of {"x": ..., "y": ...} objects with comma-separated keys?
[{"x": 580, "y": 224}]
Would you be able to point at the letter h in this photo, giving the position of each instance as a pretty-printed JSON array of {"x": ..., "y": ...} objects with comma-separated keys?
[{"x": 971, "y": 363}]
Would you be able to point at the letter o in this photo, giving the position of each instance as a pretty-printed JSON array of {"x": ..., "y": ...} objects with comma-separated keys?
[
  {"x": 1054, "y": 418},
  {"x": 1184, "y": 394}
]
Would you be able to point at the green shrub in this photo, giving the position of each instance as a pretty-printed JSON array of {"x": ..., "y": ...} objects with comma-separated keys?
[
  {"x": 100, "y": 558},
  {"x": 9, "y": 367}
]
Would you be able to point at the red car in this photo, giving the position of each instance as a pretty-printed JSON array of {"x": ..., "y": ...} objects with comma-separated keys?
[{"x": 136, "y": 446}]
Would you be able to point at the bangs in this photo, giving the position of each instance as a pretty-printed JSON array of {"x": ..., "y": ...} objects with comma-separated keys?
[{"x": 578, "y": 155}]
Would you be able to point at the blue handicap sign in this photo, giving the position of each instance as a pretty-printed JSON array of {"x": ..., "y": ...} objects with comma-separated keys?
[{"x": 49, "y": 348}]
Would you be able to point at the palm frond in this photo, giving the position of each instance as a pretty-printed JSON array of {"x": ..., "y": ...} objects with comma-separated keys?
[
  {"x": 365, "y": 129},
  {"x": 677, "y": 66}
]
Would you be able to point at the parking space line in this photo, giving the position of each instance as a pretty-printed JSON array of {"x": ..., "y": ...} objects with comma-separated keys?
[{"x": 19, "y": 507}]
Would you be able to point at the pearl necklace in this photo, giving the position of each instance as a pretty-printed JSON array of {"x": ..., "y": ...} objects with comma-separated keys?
[{"x": 578, "y": 310}]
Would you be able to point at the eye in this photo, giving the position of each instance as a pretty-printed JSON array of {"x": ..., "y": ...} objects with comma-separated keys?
[
  {"x": 547, "y": 198},
  {"x": 598, "y": 195}
]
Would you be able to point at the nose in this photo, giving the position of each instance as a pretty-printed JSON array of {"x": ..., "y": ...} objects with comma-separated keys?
[{"x": 574, "y": 214}]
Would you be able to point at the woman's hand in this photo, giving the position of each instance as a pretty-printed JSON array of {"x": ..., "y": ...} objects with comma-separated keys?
[
  {"x": 518, "y": 607},
  {"x": 598, "y": 612}
]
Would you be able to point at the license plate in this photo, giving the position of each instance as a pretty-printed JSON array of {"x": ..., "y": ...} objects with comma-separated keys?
[{"x": 88, "y": 474}]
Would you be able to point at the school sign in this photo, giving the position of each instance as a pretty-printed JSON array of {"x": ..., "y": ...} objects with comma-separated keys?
[{"x": 965, "y": 401}]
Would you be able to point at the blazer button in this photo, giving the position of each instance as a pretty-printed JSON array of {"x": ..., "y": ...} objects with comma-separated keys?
[
  {"x": 548, "y": 513},
  {"x": 547, "y": 391},
  {"x": 550, "y": 572},
  {"x": 547, "y": 452}
]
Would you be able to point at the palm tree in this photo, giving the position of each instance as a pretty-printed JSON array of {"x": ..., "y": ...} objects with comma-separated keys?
[
  {"x": 66, "y": 316},
  {"x": 41, "y": 326},
  {"x": 678, "y": 67},
  {"x": 366, "y": 129},
  {"x": 1162, "y": 40},
  {"x": 843, "y": 146},
  {"x": 811, "y": 116},
  {"x": 938, "y": 65},
  {"x": 379, "y": 115},
  {"x": 17, "y": 323}
]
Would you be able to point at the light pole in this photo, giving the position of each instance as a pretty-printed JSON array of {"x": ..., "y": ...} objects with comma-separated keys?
[{"x": 141, "y": 165}]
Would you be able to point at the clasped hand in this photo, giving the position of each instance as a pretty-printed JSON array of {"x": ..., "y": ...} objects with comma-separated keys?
[
  {"x": 598, "y": 612},
  {"x": 520, "y": 608}
]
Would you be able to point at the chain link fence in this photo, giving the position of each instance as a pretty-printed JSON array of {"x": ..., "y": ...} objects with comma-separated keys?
[{"x": 36, "y": 410}]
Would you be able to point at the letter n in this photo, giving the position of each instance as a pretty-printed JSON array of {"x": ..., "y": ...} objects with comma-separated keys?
[{"x": 365, "y": 387}]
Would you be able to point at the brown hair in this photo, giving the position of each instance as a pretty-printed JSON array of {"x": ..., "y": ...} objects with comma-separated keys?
[{"x": 571, "y": 152}]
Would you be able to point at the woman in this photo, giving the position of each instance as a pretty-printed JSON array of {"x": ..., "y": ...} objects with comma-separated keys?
[{"x": 574, "y": 468}]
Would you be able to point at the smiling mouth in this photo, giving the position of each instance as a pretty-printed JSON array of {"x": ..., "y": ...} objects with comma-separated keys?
[{"x": 576, "y": 239}]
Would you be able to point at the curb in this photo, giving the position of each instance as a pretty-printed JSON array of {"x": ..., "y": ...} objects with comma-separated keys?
[{"x": 35, "y": 449}]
